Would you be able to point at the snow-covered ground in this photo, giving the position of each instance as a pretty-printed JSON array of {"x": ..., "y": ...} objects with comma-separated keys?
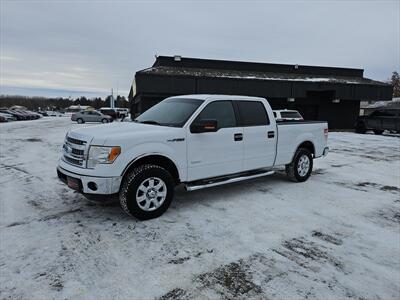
[{"x": 335, "y": 236}]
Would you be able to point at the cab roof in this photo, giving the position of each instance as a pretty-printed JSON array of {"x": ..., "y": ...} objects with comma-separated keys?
[{"x": 218, "y": 97}]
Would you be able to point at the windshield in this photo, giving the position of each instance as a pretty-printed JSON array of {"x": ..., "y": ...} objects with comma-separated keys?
[
  {"x": 170, "y": 112},
  {"x": 290, "y": 114}
]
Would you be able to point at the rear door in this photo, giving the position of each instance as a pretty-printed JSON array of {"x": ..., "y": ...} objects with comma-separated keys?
[
  {"x": 212, "y": 154},
  {"x": 259, "y": 135},
  {"x": 90, "y": 116}
]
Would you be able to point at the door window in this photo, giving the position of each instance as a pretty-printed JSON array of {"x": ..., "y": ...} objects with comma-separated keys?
[
  {"x": 222, "y": 111},
  {"x": 389, "y": 113},
  {"x": 252, "y": 113}
]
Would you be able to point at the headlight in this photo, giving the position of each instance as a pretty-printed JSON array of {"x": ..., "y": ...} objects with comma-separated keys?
[{"x": 102, "y": 155}]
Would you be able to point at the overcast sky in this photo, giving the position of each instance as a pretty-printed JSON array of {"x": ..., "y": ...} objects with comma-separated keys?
[{"x": 87, "y": 47}]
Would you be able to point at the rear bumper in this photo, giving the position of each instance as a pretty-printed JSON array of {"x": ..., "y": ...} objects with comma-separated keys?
[{"x": 89, "y": 184}]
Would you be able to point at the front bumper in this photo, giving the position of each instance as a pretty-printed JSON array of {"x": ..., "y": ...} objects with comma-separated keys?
[{"x": 89, "y": 184}]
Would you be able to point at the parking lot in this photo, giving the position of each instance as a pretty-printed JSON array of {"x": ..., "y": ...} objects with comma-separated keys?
[{"x": 335, "y": 236}]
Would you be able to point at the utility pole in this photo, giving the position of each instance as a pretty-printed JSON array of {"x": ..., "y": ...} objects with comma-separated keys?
[{"x": 112, "y": 105}]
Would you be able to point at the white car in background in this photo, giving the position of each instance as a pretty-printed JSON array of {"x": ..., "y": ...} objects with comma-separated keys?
[
  {"x": 287, "y": 115},
  {"x": 52, "y": 113},
  {"x": 123, "y": 111}
]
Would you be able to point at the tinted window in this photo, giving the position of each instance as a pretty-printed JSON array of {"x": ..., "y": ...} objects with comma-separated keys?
[
  {"x": 222, "y": 111},
  {"x": 377, "y": 113},
  {"x": 290, "y": 114},
  {"x": 389, "y": 112},
  {"x": 252, "y": 113}
]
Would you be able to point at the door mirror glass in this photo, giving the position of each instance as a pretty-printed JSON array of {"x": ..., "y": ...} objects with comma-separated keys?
[{"x": 204, "y": 126}]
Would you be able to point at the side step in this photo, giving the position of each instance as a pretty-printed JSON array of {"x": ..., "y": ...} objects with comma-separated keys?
[{"x": 210, "y": 183}]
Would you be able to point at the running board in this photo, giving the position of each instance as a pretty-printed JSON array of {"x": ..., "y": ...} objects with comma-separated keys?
[{"x": 196, "y": 187}]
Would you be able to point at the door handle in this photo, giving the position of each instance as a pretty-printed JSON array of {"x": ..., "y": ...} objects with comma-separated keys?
[
  {"x": 271, "y": 134},
  {"x": 238, "y": 137}
]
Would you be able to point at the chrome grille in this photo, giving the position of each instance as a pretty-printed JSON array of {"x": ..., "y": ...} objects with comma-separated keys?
[
  {"x": 75, "y": 141},
  {"x": 74, "y": 151}
]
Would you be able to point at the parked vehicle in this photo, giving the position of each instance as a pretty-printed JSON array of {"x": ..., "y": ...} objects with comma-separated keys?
[
  {"x": 123, "y": 112},
  {"x": 379, "y": 121},
  {"x": 52, "y": 113},
  {"x": 196, "y": 140},
  {"x": 3, "y": 119},
  {"x": 43, "y": 113},
  {"x": 287, "y": 115},
  {"x": 16, "y": 114},
  {"x": 34, "y": 114},
  {"x": 8, "y": 117},
  {"x": 90, "y": 116},
  {"x": 28, "y": 115},
  {"x": 112, "y": 112}
]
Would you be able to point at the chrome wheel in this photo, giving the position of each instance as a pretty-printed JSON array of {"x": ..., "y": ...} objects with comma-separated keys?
[
  {"x": 303, "y": 165},
  {"x": 151, "y": 194}
]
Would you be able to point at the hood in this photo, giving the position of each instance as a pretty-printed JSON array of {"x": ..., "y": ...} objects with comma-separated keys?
[{"x": 109, "y": 133}]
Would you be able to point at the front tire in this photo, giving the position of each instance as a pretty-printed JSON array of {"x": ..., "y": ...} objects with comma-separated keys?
[
  {"x": 301, "y": 167},
  {"x": 80, "y": 121},
  {"x": 379, "y": 132},
  {"x": 104, "y": 120},
  {"x": 147, "y": 192}
]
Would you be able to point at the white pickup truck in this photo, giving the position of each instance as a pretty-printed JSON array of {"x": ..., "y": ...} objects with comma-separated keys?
[{"x": 196, "y": 140}]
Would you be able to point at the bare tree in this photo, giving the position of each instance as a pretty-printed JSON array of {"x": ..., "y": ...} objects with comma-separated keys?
[{"x": 395, "y": 82}]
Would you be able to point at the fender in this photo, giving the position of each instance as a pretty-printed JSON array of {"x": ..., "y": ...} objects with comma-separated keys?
[
  {"x": 139, "y": 151},
  {"x": 302, "y": 138}
]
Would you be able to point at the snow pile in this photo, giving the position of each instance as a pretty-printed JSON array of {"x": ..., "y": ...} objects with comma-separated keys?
[{"x": 335, "y": 236}]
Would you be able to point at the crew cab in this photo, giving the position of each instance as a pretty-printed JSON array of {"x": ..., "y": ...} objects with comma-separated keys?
[{"x": 195, "y": 140}]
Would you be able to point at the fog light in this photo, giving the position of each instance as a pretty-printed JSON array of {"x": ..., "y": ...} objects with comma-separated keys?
[{"x": 93, "y": 186}]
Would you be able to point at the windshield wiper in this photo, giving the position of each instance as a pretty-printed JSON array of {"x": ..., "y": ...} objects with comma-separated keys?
[{"x": 150, "y": 122}]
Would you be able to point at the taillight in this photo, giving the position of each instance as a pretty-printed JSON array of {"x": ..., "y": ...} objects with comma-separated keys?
[{"x": 326, "y": 131}]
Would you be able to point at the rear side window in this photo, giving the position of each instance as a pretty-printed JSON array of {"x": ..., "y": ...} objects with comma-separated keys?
[
  {"x": 222, "y": 111},
  {"x": 252, "y": 113}
]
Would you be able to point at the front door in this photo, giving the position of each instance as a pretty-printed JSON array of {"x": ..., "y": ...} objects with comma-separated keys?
[
  {"x": 374, "y": 121},
  {"x": 212, "y": 154},
  {"x": 259, "y": 135}
]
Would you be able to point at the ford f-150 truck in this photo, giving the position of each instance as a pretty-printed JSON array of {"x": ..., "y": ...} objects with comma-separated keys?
[{"x": 196, "y": 140}]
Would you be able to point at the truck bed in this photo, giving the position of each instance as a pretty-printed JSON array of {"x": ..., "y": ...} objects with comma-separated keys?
[{"x": 292, "y": 133}]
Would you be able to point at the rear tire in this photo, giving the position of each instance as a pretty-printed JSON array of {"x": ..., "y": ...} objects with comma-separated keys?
[
  {"x": 360, "y": 128},
  {"x": 379, "y": 132},
  {"x": 80, "y": 121},
  {"x": 104, "y": 120},
  {"x": 301, "y": 167},
  {"x": 147, "y": 192}
]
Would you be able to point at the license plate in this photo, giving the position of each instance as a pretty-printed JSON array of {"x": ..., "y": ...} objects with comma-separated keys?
[{"x": 73, "y": 183}]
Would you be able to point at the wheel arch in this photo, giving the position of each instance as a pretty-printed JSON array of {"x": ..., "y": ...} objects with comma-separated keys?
[
  {"x": 306, "y": 145},
  {"x": 154, "y": 159}
]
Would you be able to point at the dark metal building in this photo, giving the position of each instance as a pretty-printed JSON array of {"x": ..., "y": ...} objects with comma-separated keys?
[{"x": 319, "y": 93}]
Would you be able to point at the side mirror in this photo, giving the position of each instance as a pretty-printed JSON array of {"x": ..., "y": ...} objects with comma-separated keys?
[{"x": 204, "y": 126}]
